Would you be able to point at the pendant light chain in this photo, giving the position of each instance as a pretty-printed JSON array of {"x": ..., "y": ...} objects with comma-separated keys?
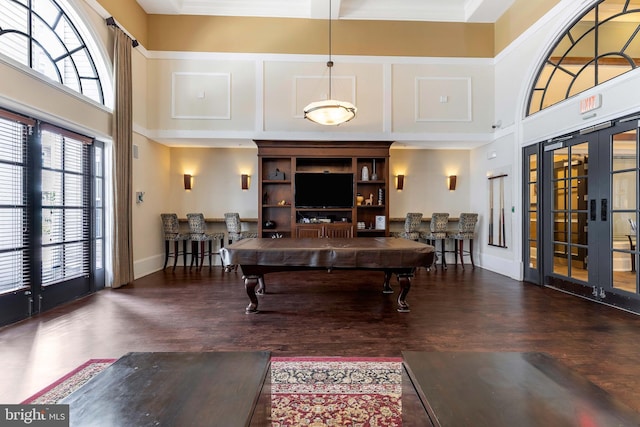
[
  {"x": 330, "y": 62},
  {"x": 330, "y": 111}
]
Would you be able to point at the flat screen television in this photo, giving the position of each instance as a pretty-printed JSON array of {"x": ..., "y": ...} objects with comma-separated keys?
[{"x": 323, "y": 190}]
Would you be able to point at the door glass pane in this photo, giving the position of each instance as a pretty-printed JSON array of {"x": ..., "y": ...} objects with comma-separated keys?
[
  {"x": 533, "y": 251},
  {"x": 623, "y": 255},
  {"x": 561, "y": 248},
  {"x": 14, "y": 251},
  {"x": 560, "y": 252},
  {"x": 579, "y": 251},
  {"x": 560, "y": 159},
  {"x": 623, "y": 151},
  {"x": 623, "y": 195},
  {"x": 560, "y": 194},
  {"x": 65, "y": 225},
  {"x": 579, "y": 228},
  {"x": 624, "y": 211},
  {"x": 532, "y": 211},
  {"x": 533, "y": 230},
  {"x": 570, "y": 203},
  {"x": 560, "y": 227},
  {"x": 578, "y": 194}
]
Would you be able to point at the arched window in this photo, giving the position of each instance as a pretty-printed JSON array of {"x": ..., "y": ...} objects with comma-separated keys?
[
  {"x": 599, "y": 46},
  {"x": 42, "y": 36}
]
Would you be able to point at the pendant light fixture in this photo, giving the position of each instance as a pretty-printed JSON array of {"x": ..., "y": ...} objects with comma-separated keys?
[{"x": 330, "y": 111}]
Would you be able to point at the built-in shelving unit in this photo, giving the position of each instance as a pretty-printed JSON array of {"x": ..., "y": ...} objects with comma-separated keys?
[{"x": 278, "y": 163}]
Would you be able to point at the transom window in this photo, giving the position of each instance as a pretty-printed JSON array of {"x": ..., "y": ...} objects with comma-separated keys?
[
  {"x": 40, "y": 35},
  {"x": 601, "y": 45}
]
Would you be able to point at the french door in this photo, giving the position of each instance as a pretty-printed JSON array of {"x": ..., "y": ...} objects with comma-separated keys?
[
  {"x": 51, "y": 227},
  {"x": 589, "y": 213}
]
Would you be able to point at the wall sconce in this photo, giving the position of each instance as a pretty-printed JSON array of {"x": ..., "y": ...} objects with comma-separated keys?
[
  {"x": 245, "y": 181},
  {"x": 400, "y": 182},
  {"x": 187, "y": 181},
  {"x": 452, "y": 182}
]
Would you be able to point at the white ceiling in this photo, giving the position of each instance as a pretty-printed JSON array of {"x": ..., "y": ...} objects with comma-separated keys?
[{"x": 393, "y": 10}]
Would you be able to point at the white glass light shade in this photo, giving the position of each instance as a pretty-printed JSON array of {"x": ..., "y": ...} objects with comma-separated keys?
[{"x": 330, "y": 112}]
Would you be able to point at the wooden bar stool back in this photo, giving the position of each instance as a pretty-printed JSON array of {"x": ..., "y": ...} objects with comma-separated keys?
[
  {"x": 235, "y": 233},
  {"x": 438, "y": 231},
  {"x": 466, "y": 231},
  {"x": 171, "y": 230},
  {"x": 412, "y": 223},
  {"x": 199, "y": 236}
]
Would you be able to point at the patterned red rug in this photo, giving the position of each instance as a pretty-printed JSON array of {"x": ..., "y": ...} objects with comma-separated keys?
[
  {"x": 309, "y": 391},
  {"x": 69, "y": 383},
  {"x": 336, "y": 392}
]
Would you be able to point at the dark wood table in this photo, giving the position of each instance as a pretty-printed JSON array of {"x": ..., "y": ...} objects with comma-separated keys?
[
  {"x": 172, "y": 389},
  {"x": 510, "y": 389},
  {"x": 391, "y": 255}
]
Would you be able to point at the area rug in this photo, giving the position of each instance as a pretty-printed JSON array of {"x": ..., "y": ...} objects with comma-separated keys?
[
  {"x": 318, "y": 392},
  {"x": 69, "y": 383},
  {"x": 305, "y": 391}
]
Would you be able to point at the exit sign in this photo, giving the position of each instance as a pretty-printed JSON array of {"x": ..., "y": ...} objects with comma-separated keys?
[{"x": 590, "y": 103}]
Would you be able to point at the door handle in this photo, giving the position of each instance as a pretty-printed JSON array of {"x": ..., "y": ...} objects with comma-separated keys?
[
  {"x": 603, "y": 209},
  {"x": 592, "y": 210}
]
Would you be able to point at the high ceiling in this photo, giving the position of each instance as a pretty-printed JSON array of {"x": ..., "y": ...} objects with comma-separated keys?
[
  {"x": 462, "y": 11},
  {"x": 393, "y": 10}
]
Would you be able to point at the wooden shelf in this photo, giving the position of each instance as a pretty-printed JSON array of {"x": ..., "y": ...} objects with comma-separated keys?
[{"x": 291, "y": 157}]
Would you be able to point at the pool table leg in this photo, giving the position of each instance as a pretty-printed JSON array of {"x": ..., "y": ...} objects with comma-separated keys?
[
  {"x": 250, "y": 284},
  {"x": 405, "y": 284},
  {"x": 386, "y": 289}
]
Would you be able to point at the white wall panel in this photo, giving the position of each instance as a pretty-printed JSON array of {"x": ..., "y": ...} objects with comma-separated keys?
[
  {"x": 201, "y": 96},
  {"x": 290, "y": 86},
  {"x": 442, "y": 98},
  {"x": 191, "y": 95}
]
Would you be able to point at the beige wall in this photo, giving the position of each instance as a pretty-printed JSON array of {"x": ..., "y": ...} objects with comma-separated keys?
[
  {"x": 159, "y": 170},
  {"x": 216, "y": 181},
  {"x": 418, "y": 89},
  {"x": 130, "y": 15},
  {"x": 517, "y": 19},
  {"x": 170, "y": 107},
  {"x": 221, "y": 96},
  {"x": 151, "y": 175},
  {"x": 235, "y": 34},
  {"x": 309, "y": 36},
  {"x": 25, "y": 92},
  {"x": 425, "y": 183}
]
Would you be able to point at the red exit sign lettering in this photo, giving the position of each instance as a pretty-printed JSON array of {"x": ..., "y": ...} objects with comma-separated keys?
[{"x": 590, "y": 103}]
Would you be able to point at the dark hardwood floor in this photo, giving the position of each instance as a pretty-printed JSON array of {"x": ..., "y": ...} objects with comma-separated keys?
[{"x": 333, "y": 314}]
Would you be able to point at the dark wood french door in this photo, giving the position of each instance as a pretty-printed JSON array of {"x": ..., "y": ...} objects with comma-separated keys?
[{"x": 583, "y": 210}]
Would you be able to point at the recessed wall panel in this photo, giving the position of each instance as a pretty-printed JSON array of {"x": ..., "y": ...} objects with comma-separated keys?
[
  {"x": 201, "y": 96},
  {"x": 291, "y": 86},
  {"x": 443, "y": 99}
]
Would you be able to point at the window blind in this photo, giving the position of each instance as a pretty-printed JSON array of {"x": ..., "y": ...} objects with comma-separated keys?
[
  {"x": 66, "y": 181},
  {"x": 14, "y": 251}
]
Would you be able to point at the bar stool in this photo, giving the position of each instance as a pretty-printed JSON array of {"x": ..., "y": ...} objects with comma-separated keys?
[
  {"x": 198, "y": 235},
  {"x": 438, "y": 231},
  {"x": 171, "y": 229},
  {"x": 234, "y": 230},
  {"x": 412, "y": 222},
  {"x": 466, "y": 231}
]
